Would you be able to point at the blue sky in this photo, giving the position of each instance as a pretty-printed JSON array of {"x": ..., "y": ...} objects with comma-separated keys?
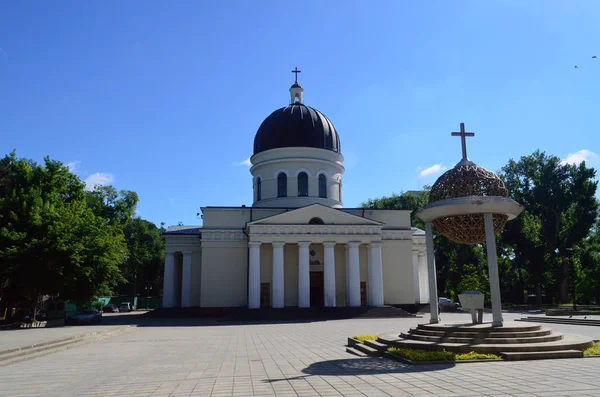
[{"x": 164, "y": 98}]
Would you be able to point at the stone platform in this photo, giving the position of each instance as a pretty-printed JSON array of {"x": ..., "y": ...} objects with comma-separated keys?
[{"x": 513, "y": 341}]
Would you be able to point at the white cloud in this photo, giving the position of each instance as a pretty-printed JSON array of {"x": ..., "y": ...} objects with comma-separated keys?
[
  {"x": 434, "y": 169},
  {"x": 73, "y": 166},
  {"x": 245, "y": 163},
  {"x": 99, "y": 178},
  {"x": 579, "y": 157}
]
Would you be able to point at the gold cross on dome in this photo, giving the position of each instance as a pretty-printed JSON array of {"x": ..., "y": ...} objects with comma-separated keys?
[{"x": 296, "y": 71}]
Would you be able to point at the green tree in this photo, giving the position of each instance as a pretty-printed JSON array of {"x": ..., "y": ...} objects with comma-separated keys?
[
  {"x": 51, "y": 242},
  {"x": 560, "y": 208},
  {"x": 117, "y": 208},
  {"x": 145, "y": 259},
  {"x": 414, "y": 201}
]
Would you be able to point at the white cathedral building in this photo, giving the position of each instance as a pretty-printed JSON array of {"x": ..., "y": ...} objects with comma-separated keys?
[{"x": 296, "y": 246}]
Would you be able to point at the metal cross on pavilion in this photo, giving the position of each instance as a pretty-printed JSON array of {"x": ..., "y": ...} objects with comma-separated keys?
[
  {"x": 296, "y": 71},
  {"x": 462, "y": 134}
]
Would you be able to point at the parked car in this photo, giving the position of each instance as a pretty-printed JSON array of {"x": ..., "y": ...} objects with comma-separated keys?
[
  {"x": 125, "y": 307},
  {"x": 85, "y": 316},
  {"x": 110, "y": 309},
  {"x": 446, "y": 304}
]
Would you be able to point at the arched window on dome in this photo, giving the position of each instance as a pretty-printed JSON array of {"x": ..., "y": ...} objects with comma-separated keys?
[
  {"x": 322, "y": 186},
  {"x": 282, "y": 185},
  {"x": 303, "y": 184},
  {"x": 258, "y": 189},
  {"x": 340, "y": 192}
]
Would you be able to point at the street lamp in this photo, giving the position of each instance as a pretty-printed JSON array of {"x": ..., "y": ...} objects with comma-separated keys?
[{"x": 148, "y": 288}]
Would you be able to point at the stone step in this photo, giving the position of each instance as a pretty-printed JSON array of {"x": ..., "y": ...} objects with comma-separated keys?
[
  {"x": 377, "y": 345},
  {"x": 368, "y": 350},
  {"x": 512, "y": 356},
  {"x": 358, "y": 353},
  {"x": 509, "y": 326},
  {"x": 566, "y": 321},
  {"x": 491, "y": 339},
  {"x": 569, "y": 342},
  {"x": 470, "y": 334},
  {"x": 9, "y": 355}
]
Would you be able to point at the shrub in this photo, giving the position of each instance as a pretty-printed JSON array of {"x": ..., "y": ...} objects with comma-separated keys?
[
  {"x": 426, "y": 355},
  {"x": 363, "y": 338},
  {"x": 422, "y": 355},
  {"x": 592, "y": 351},
  {"x": 476, "y": 356}
]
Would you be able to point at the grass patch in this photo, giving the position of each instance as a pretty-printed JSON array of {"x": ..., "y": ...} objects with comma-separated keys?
[
  {"x": 363, "y": 338},
  {"x": 592, "y": 351},
  {"x": 444, "y": 355}
]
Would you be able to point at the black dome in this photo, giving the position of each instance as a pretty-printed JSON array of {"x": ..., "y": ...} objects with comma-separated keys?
[{"x": 296, "y": 125}]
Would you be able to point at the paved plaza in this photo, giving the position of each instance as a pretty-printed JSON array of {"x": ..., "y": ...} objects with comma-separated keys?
[{"x": 192, "y": 358}]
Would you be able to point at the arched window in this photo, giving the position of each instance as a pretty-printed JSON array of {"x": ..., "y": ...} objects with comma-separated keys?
[
  {"x": 258, "y": 189},
  {"x": 281, "y": 185},
  {"x": 302, "y": 184},
  {"x": 340, "y": 193},
  {"x": 322, "y": 186},
  {"x": 316, "y": 221}
]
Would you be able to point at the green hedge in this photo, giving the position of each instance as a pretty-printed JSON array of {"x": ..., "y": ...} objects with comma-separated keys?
[{"x": 444, "y": 355}]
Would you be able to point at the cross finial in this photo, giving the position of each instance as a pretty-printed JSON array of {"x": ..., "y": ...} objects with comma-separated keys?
[
  {"x": 296, "y": 71},
  {"x": 462, "y": 134}
]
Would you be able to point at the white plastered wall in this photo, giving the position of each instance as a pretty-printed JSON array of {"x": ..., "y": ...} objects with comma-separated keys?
[
  {"x": 398, "y": 285},
  {"x": 224, "y": 280}
]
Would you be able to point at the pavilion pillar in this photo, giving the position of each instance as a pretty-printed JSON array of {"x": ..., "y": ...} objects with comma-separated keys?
[
  {"x": 490, "y": 239},
  {"x": 354, "y": 273},
  {"x": 186, "y": 279},
  {"x": 277, "y": 294},
  {"x": 303, "y": 274},
  {"x": 416, "y": 280},
  {"x": 254, "y": 275},
  {"x": 375, "y": 286},
  {"x": 329, "y": 274},
  {"x": 433, "y": 296},
  {"x": 423, "y": 278},
  {"x": 169, "y": 280}
]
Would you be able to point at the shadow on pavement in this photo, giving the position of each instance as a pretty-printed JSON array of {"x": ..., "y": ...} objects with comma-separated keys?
[
  {"x": 362, "y": 366},
  {"x": 236, "y": 316}
]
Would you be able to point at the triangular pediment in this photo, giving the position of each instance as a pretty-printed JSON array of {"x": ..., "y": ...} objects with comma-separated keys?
[{"x": 302, "y": 216}]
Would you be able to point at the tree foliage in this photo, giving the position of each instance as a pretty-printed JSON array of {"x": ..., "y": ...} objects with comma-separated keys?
[
  {"x": 51, "y": 242},
  {"x": 560, "y": 209},
  {"x": 143, "y": 267},
  {"x": 58, "y": 239}
]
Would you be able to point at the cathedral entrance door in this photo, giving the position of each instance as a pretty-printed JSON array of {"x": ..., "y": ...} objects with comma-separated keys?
[{"x": 316, "y": 289}]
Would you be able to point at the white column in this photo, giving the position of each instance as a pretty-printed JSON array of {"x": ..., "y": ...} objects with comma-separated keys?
[
  {"x": 254, "y": 275},
  {"x": 329, "y": 274},
  {"x": 433, "y": 296},
  {"x": 347, "y": 251},
  {"x": 303, "y": 274},
  {"x": 416, "y": 281},
  {"x": 354, "y": 273},
  {"x": 490, "y": 240},
  {"x": 423, "y": 278},
  {"x": 277, "y": 295},
  {"x": 369, "y": 276},
  {"x": 169, "y": 280},
  {"x": 375, "y": 286},
  {"x": 186, "y": 279}
]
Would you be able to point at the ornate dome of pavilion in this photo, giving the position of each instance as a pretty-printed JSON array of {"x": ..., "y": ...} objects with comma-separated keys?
[
  {"x": 296, "y": 125},
  {"x": 467, "y": 179}
]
